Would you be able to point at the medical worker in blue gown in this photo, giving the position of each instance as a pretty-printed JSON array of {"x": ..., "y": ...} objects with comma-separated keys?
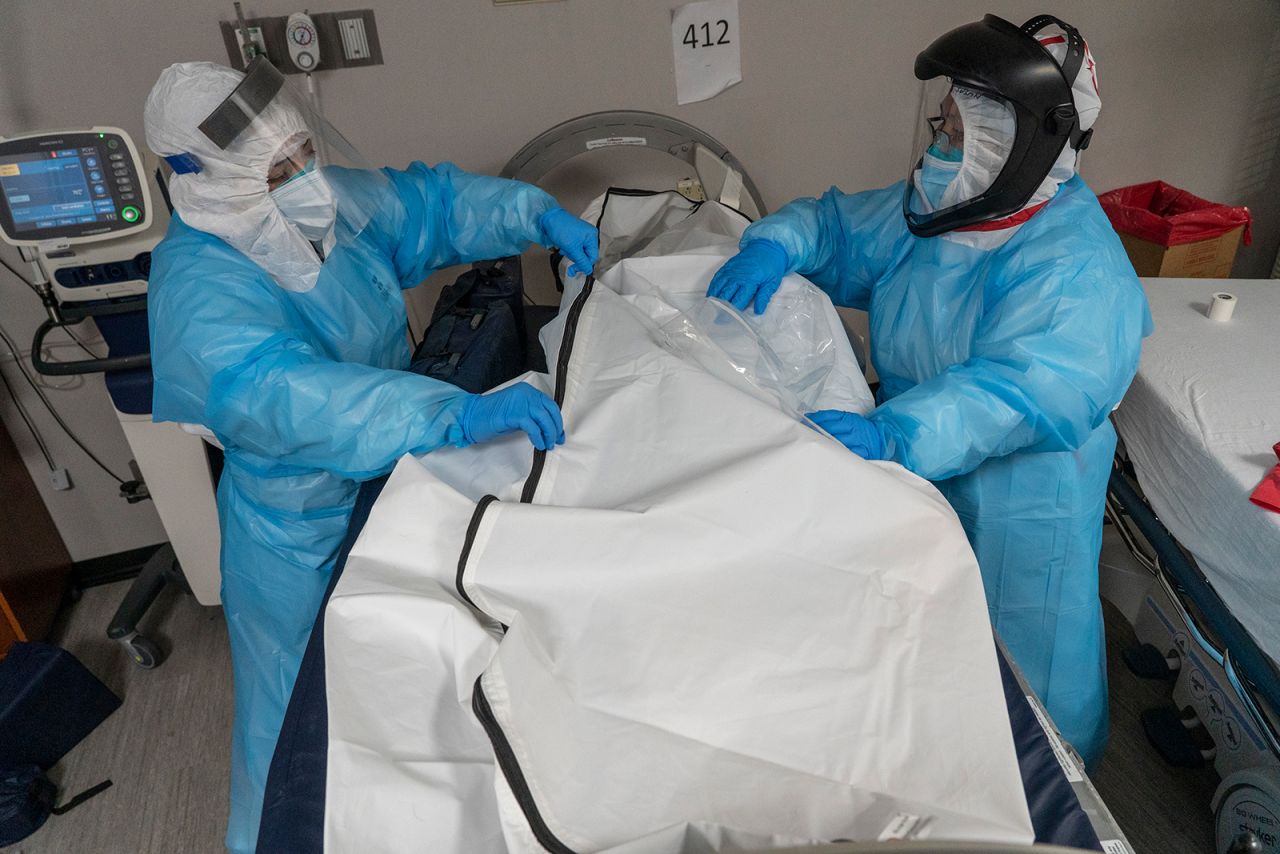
[
  {"x": 278, "y": 324},
  {"x": 1006, "y": 323}
]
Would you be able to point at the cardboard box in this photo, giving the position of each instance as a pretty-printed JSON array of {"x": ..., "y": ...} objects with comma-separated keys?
[
  {"x": 1170, "y": 232},
  {"x": 1203, "y": 259}
]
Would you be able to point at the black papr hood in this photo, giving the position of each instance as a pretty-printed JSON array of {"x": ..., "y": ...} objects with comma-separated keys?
[{"x": 1007, "y": 63}]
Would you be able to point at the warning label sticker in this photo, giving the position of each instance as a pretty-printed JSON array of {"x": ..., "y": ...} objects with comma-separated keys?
[
  {"x": 1069, "y": 766},
  {"x": 906, "y": 826}
]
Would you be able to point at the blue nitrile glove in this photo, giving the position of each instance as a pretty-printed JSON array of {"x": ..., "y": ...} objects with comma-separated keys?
[
  {"x": 753, "y": 274},
  {"x": 517, "y": 407},
  {"x": 576, "y": 239},
  {"x": 854, "y": 431}
]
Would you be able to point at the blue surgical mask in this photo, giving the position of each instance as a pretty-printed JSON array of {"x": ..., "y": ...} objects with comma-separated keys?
[
  {"x": 947, "y": 153},
  {"x": 936, "y": 174}
]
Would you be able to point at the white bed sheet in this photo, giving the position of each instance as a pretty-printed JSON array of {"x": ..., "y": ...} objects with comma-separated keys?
[{"x": 1199, "y": 422}]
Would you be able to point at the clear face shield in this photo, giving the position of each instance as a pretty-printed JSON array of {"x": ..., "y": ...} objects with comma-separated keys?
[
  {"x": 319, "y": 181},
  {"x": 962, "y": 142}
]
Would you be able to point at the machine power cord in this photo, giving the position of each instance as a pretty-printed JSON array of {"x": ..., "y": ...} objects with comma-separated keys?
[
  {"x": 17, "y": 359},
  {"x": 67, "y": 329},
  {"x": 35, "y": 433},
  {"x": 17, "y": 275}
]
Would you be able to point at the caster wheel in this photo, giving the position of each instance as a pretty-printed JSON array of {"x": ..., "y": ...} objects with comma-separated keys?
[
  {"x": 1246, "y": 811},
  {"x": 145, "y": 653}
]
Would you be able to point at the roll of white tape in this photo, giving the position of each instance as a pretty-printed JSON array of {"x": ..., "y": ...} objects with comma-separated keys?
[{"x": 1222, "y": 307}]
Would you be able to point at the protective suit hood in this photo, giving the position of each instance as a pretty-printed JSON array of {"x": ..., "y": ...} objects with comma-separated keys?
[
  {"x": 225, "y": 191},
  {"x": 1088, "y": 102}
]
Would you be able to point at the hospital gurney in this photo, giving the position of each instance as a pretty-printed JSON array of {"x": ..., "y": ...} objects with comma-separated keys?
[
  {"x": 1065, "y": 807},
  {"x": 1196, "y": 429},
  {"x": 292, "y": 810}
]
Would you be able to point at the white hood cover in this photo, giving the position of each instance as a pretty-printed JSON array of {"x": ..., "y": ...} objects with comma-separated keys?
[{"x": 723, "y": 629}]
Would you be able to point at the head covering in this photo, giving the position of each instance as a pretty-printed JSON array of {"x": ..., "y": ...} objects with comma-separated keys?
[
  {"x": 1088, "y": 101},
  {"x": 229, "y": 197},
  {"x": 989, "y": 128}
]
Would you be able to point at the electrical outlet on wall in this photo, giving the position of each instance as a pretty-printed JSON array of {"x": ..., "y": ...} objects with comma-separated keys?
[
  {"x": 334, "y": 40},
  {"x": 355, "y": 41},
  {"x": 255, "y": 36}
]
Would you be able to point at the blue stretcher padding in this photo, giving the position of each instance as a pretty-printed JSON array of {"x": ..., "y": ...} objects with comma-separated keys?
[{"x": 1250, "y": 662}]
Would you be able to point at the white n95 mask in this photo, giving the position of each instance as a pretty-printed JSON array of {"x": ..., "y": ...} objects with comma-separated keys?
[{"x": 308, "y": 203}]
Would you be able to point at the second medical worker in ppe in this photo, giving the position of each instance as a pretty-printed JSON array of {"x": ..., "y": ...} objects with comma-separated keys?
[
  {"x": 1006, "y": 323},
  {"x": 277, "y": 323}
]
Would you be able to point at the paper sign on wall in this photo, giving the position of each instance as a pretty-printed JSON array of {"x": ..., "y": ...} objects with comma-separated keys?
[{"x": 704, "y": 38}]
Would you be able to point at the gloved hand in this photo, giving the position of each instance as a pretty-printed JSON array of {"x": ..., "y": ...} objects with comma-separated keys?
[
  {"x": 517, "y": 407},
  {"x": 576, "y": 239},
  {"x": 854, "y": 431},
  {"x": 754, "y": 273}
]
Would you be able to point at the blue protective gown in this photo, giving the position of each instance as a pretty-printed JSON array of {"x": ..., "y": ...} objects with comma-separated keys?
[
  {"x": 306, "y": 393},
  {"x": 998, "y": 369}
]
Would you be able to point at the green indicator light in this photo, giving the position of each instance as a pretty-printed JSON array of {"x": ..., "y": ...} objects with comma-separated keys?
[
  {"x": 130, "y": 214},
  {"x": 101, "y": 135}
]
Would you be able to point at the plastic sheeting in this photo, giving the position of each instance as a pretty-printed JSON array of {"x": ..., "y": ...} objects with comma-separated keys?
[
  {"x": 796, "y": 356},
  {"x": 721, "y": 628}
]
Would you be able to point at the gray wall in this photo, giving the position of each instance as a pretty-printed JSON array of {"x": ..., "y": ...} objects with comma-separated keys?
[{"x": 1191, "y": 94}]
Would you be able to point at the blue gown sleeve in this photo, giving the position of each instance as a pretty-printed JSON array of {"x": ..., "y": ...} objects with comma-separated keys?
[
  {"x": 454, "y": 217},
  {"x": 1054, "y": 352},
  {"x": 229, "y": 353},
  {"x": 842, "y": 242}
]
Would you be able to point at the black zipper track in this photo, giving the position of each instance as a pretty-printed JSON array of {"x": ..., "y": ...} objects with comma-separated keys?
[
  {"x": 626, "y": 191},
  {"x": 479, "y": 703},
  {"x": 562, "y": 371},
  {"x": 514, "y": 776},
  {"x": 472, "y": 528}
]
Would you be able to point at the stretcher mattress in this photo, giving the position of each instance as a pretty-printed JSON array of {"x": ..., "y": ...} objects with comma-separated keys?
[
  {"x": 1198, "y": 423},
  {"x": 698, "y": 623}
]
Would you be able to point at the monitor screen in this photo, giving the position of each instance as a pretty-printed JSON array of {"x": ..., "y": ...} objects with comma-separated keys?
[{"x": 68, "y": 185}]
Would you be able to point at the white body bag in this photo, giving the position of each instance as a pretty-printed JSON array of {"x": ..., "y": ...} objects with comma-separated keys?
[{"x": 699, "y": 624}]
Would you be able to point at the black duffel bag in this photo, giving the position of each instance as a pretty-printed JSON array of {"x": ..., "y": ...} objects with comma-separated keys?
[
  {"x": 476, "y": 339},
  {"x": 26, "y": 801},
  {"x": 49, "y": 702}
]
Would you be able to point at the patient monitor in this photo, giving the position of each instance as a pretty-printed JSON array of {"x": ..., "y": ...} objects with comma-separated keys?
[
  {"x": 83, "y": 209},
  {"x": 78, "y": 204}
]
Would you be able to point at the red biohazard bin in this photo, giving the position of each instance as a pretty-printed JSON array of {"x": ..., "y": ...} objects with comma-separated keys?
[{"x": 1172, "y": 233}]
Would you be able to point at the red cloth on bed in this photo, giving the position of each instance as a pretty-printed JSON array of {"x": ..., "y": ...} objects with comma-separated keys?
[{"x": 1268, "y": 492}]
